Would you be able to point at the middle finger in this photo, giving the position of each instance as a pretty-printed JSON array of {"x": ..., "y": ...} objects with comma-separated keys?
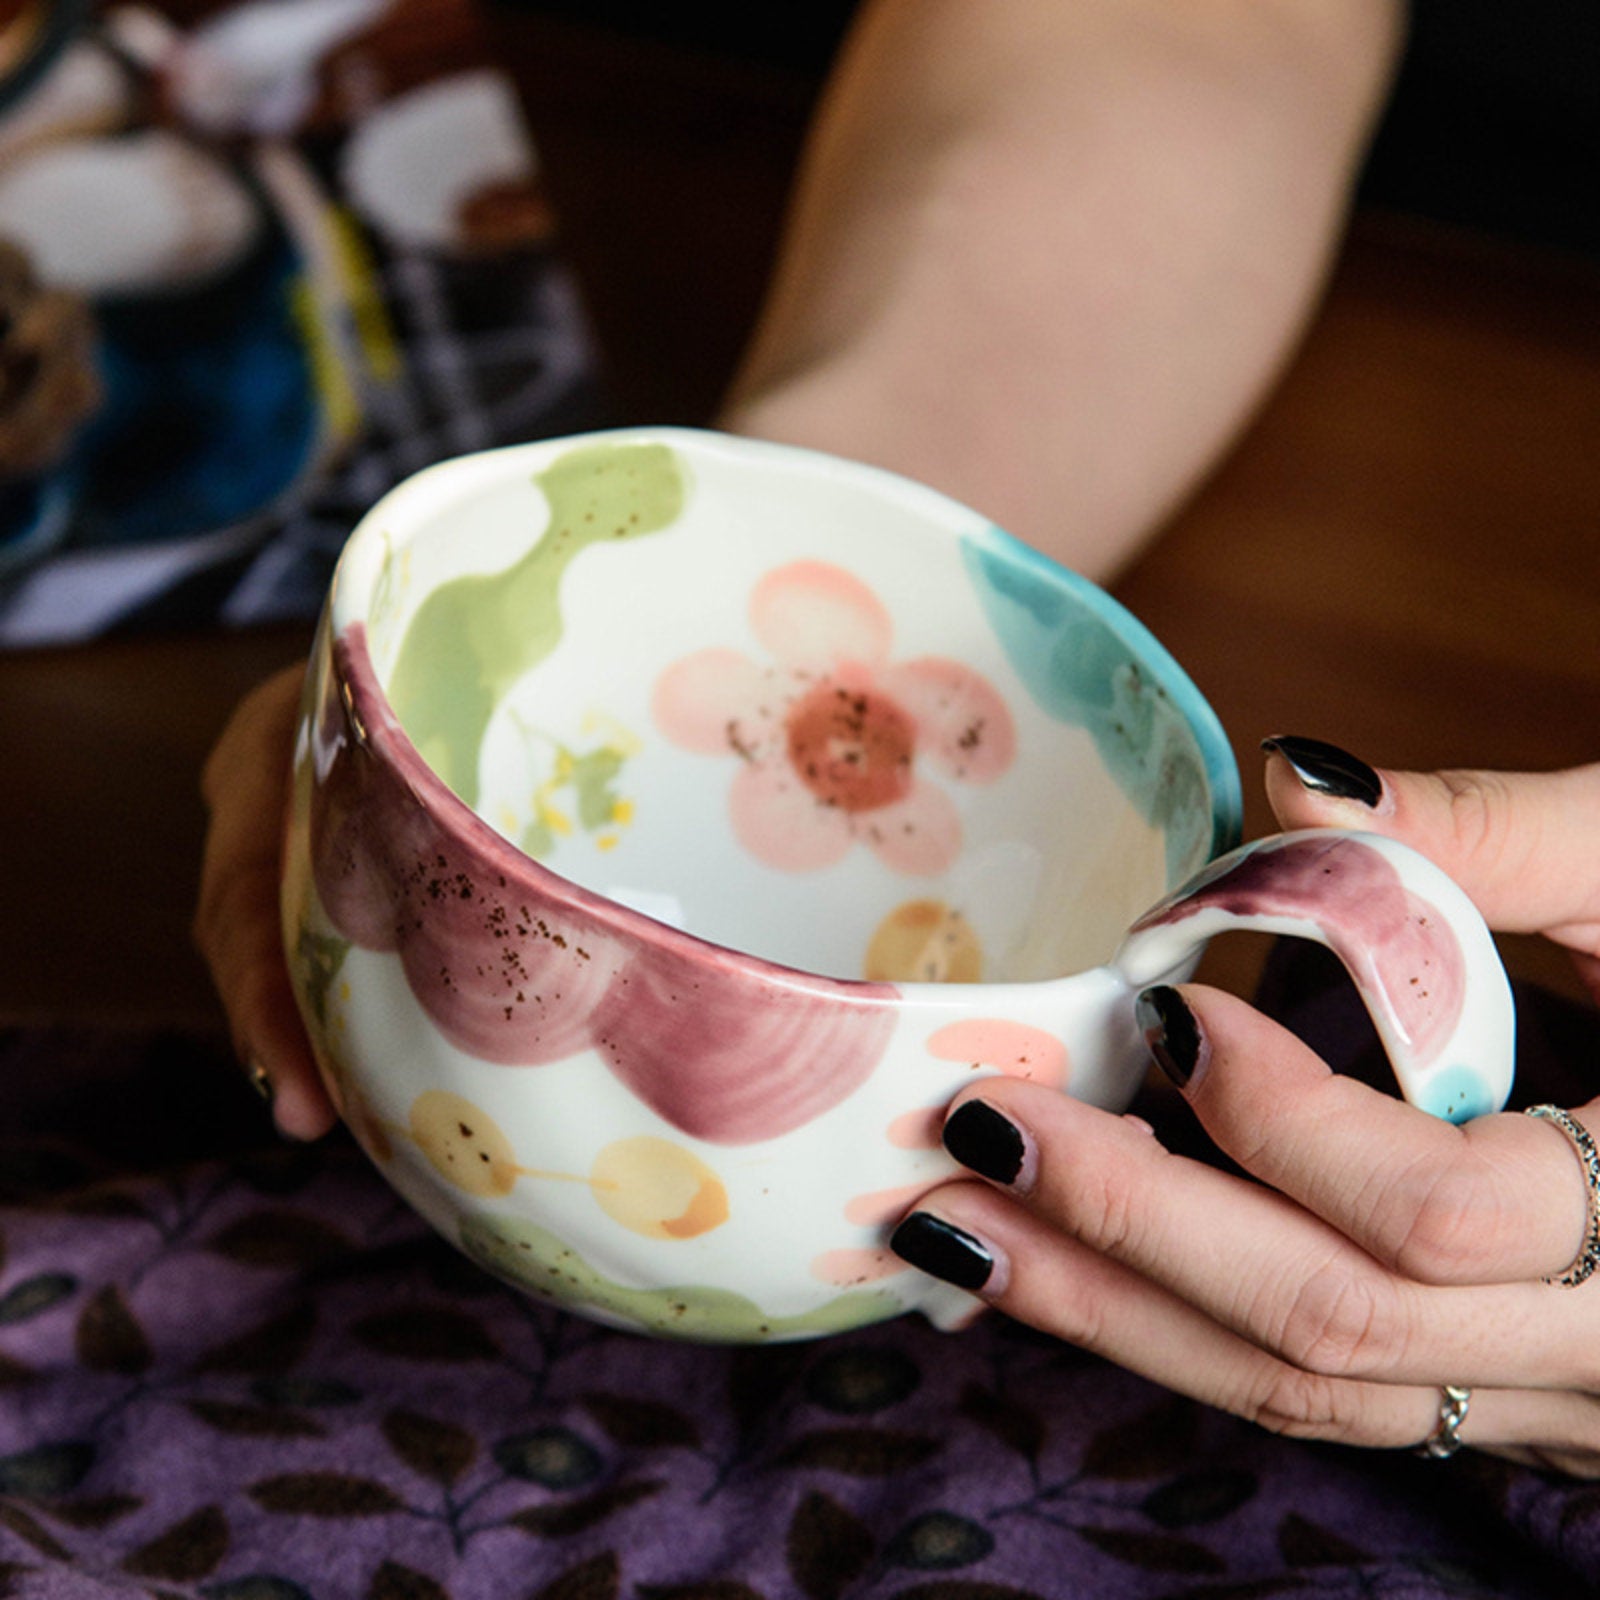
[
  {"x": 1260, "y": 1264},
  {"x": 1499, "y": 1200}
]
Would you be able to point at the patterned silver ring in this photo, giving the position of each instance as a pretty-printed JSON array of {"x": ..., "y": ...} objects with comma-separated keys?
[
  {"x": 1445, "y": 1440},
  {"x": 1589, "y": 1158},
  {"x": 256, "y": 1076}
]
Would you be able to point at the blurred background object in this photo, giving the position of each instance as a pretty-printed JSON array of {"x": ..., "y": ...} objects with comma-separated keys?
[
  {"x": 1402, "y": 552},
  {"x": 313, "y": 240},
  {"x": 48, "y": 384},
  {"x": 254, "y": 67},
  {"x": 49, "y": 387},
  {"x": 32, "y": 34}
]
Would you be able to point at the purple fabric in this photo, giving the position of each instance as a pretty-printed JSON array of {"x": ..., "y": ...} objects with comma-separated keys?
[{"x": 240, "y": 1370}]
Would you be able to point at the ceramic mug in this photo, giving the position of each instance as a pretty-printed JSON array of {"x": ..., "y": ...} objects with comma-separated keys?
[{"x": 680, "y": 821}]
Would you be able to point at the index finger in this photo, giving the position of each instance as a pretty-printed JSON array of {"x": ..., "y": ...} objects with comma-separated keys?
[
  {"x": 1497, "y": 1200},
  {"x": 1524, "y": 845}
]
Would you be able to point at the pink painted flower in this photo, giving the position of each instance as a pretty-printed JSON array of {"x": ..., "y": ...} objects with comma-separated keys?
[
  {"x": 521, "y": 968},
  {"x": 835, "y": 740}
]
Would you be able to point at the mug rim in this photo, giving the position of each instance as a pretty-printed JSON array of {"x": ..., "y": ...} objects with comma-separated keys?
[{"x": 432, "y": 487}]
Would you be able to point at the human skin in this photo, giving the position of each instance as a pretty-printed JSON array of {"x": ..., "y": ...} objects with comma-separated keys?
[
  {"x": 1043, "y": 256},
  {"x": 1382, "y": 1251},
  {"x": 1048, "y": 257}
]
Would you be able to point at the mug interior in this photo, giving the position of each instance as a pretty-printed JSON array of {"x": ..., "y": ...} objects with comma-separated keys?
[{"x": 797, "y": 707}]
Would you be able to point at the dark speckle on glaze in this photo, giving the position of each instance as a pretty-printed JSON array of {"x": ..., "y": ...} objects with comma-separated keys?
[
  {"x": 1400, "y": 947},
  {"x": 518, "y": 966}
]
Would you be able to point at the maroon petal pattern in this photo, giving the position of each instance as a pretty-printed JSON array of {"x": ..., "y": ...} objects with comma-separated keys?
[
  {"x": 724, "y": 1062},
  {"x": 1401, "y": 948},
  {"x": 517, "y": 966},
  {"x": 401, "y": 865}
]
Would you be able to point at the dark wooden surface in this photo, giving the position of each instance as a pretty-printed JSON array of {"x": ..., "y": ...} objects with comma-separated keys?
[{"x": 1402, "y": 554}]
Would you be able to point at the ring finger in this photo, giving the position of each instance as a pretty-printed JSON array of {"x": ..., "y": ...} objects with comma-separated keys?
[
  {"x": 1061, "y": 1286},
  {"x": 1259, "y": 1265}
]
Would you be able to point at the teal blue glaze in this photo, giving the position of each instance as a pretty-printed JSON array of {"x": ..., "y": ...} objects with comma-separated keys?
[
  {"x": 1457, "y": 1094},
  {"x": 1089, "y": 662}
]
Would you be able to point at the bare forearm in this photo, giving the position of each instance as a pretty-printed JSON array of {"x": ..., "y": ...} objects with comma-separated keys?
[{"x": 1047, "y": 254}]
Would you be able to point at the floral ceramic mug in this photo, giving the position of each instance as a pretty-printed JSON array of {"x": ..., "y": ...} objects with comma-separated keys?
[{"x": 680, "y": 821}]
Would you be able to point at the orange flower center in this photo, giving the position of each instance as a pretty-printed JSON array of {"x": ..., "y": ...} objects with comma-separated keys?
[{"x": 851, "y": 747}]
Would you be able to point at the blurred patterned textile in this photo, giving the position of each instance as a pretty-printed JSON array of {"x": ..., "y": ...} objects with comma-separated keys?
[
  {"x": 308, "y": 252},
  {"x": 235, "y": 1369}
]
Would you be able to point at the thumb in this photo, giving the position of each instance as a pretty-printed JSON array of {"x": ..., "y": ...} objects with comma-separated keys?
[{"x": 1524, "y": 845}]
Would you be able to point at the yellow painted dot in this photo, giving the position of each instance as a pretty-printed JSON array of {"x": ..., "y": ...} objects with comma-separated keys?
[
  {"x": 924, "y": 941},
  {"x": 657, "y": 1188},
  {"x": 463, "y": 1144}
]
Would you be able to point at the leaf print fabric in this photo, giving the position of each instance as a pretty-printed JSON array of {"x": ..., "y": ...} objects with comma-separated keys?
[{"x": 237, "y": 1370}]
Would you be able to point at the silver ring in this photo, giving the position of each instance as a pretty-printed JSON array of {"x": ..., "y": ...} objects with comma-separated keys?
[
  {"x": 256, "y": 1076},
  {"x": 1589, "y": 1158},
  {"x": 1445, "y": 1440}
]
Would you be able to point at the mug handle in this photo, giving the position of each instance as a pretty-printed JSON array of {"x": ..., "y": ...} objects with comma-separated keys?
[{"x": 1423, "y": 961}]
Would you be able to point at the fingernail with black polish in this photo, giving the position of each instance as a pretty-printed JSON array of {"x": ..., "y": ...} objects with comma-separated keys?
[
  {"x": 1326, "y": 769},
  {"x": 943, "y": 1250},
  {"x": 1170, "y": 1032},
  {"x": 985, "y": 1142}
]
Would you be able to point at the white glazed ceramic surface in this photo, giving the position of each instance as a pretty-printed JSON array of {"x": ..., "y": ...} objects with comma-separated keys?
[{"x": 680, "y": 821}]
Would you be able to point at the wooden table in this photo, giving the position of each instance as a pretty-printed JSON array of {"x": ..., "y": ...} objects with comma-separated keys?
[{"x": 1402, "y": 554}]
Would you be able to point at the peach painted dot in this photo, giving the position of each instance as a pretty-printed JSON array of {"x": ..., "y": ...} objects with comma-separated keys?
[
  {"x": 847, "y": 1268},
  {"x": 917, "y": 1130},
  {"x": 1014, "y": 1048},
  {"x": 883, "y": 1205},
  {"x": 658, "y": 1189},
  {"x": 463, "y": 1144}
]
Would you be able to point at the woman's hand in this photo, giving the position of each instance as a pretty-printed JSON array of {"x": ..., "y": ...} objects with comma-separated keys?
[
  {"x": 1383, "y": 1253},
  {"x": 246, "y": 787}
]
